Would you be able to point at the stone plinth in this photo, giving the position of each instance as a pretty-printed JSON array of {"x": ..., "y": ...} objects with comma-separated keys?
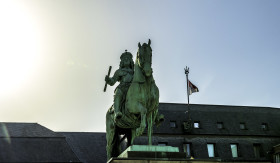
[
  {"x": 161, "y": 154},
  {"x": 178, "y": 161},
  {"x": 150, "y": 152}
]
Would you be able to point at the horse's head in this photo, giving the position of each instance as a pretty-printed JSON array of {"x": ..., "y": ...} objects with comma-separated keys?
[{"x": 144, "y": 58}]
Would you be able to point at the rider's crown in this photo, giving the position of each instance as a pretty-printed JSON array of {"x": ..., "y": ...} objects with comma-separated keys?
[{"x": 126, "y": 54}]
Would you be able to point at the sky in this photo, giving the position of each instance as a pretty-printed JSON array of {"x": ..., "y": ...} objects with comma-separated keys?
[{"x": 54, "y": 55}]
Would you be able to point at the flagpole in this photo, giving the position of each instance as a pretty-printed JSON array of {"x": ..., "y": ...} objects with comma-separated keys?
[{"x": 187, "y": 76}]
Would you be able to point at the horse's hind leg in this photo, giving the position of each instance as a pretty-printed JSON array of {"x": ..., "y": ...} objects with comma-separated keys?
[
  {"x": 133, "y": 135},
  {"x": 110, "y": 134}
]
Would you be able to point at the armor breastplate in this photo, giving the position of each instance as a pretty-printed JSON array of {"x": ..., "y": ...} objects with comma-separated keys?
[{"x": 126, "y": 75}]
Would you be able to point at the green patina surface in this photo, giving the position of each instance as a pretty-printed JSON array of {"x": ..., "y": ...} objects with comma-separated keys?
[
  {"x": 136, "y": 100},
  {"x": 155, "y": 151},
  {"x": 152, "y": 148}
]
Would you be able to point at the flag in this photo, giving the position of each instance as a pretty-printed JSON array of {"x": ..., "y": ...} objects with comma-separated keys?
[{"x": 192, "y": 88}]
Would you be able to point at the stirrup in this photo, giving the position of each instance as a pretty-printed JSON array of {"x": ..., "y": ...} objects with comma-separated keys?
[{"x": 118, "y": 115}]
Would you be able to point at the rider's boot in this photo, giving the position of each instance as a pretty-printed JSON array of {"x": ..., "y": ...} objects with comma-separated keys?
[{"x": 117, "y": 105}]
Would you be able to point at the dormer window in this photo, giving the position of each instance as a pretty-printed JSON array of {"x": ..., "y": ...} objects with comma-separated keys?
[
  {"x": 242, "y": 126},
  {"x": 220, "y": 125},
  {"x": 173, "y": 124},
  {"x": 264, "y": 126},
  {"x": 196, "y": 124}
]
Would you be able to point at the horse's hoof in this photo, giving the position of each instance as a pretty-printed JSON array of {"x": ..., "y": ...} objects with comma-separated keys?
[{"x": 139, "y": 131}]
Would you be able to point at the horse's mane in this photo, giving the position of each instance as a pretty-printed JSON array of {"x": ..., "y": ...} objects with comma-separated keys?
[{"x": 138, "y": 74}]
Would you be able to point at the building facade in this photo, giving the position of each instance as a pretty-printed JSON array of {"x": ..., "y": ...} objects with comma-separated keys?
[
  {"x": 226, "y": 133},
  {"x": 219, "y": 134}
]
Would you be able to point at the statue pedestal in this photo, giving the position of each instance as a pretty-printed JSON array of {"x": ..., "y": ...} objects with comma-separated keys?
[{"x": 146, "y": 153}]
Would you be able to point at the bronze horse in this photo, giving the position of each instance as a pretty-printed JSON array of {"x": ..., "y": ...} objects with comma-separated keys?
[{"x": 140, "y": 107}]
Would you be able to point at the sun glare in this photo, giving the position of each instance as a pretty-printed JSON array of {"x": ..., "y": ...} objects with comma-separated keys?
[{"x": 19, "y": 47}]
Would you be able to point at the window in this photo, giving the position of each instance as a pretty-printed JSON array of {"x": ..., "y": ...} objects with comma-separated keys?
[
  {"x": 242, "y": 126},
  {"x": 257, "y": 150},
  {"x": 234, "y": 150},
  {"x": 220, "y": 125},
  {"x": 211, "y": 150},
  {"x": 276, "y": 158},
  {"x": 173, "y": 124},
  {"x": 162, "y": 144},
  {"x": 264, "y": 126},
  {"x": 196, "y": 125},
  {"x": 187, "y": 149}
]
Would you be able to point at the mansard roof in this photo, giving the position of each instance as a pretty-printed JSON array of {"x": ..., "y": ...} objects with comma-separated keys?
[
  {"x": 88, "y": 146},
  {"x": 31, "y": 142},
  {"x": 231, "y": 116},
  {"x": 26, "y": 130}
]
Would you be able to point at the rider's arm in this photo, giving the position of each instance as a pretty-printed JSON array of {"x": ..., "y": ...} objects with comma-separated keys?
[{"x": 114, "y": 79}]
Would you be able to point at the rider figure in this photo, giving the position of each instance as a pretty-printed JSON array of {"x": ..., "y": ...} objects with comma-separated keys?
[{"x": 124, "y": 75}]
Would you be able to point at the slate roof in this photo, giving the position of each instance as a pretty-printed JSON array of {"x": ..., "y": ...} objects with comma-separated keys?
[
  {"x": 26, "y": 130},
  {"x": 90, "y": 147},
  {"x": 231, "y": 116},
  {"x": 31, "y": 142}
]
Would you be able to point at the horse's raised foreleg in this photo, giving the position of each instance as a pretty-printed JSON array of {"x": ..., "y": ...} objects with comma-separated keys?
[{"x": 143, "y": 112}]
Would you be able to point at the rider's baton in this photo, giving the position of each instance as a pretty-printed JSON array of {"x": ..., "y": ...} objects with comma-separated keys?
[{"x": 105, "y": 87}]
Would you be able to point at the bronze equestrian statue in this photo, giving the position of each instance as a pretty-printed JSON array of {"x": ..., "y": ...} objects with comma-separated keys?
[{"x": 136, "y": 100}]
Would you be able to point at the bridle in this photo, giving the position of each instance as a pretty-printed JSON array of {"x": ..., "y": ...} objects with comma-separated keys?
[{"x": 142, "y": 60}]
